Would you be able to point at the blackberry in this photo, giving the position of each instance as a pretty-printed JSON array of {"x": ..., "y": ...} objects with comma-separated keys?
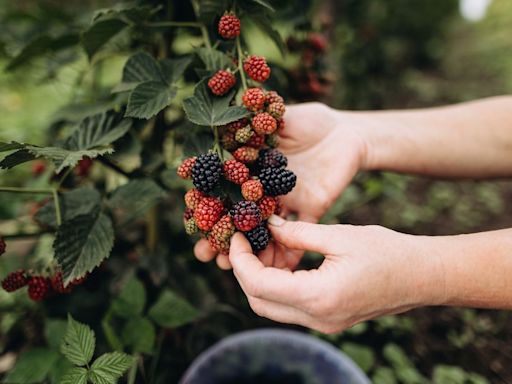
[
  {"x": 15, "y": 280},
  {"x": 246, "y": 215},
  {"x": 258, "y": 237},
  {"x": 39, "y": 287},
  {"x": 206, "y": 171},
  {"x": 277, "y": 181},
  {"x": 271, "y": 158}
]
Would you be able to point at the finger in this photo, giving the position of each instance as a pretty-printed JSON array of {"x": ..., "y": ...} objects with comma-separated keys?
[
  {"x": 286, "y": 257},
  {"x": 267, "y": 255},
  {"x": 279, "y": 312},
  {"x": 223, "y": 262},
  {"x": 301, "y": 235},
  {"x": 266, "y": 282},
  {"x": 203, "y": 251}
]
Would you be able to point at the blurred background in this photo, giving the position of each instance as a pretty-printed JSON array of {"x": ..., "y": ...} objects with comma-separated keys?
[{"x": 350, "y": 54}]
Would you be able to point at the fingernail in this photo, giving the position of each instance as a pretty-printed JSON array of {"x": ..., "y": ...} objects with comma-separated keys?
[{"x": 276, "y": 221}]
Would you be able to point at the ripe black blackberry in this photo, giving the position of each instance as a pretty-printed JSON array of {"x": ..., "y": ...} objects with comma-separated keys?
[
  {"x": 271, "y": 158},
  {"x": 206, "y": 171},
  {"x": 258, "y": 238},
  {"x": 277, "y": 181},
  {"x": 246, "y": 215}
]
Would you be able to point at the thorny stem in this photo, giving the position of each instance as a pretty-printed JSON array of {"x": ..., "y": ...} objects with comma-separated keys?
[
  {"x": 240, "y": 63},
  {"x": 51, "y": 191}
]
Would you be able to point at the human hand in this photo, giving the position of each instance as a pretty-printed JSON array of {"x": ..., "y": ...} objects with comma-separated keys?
[
  {"x": 325, "y": 151},
  {"x": 368, "y": 271}
]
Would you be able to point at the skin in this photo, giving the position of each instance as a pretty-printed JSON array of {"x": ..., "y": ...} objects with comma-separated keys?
[{"x": 369, "y": 271}]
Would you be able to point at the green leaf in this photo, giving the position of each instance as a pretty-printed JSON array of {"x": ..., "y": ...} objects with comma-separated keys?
[
  {"x": 82, "y": 244},
  {"x": 209, "y": 9},
  {"x": 41, "y": 45},
  {"x": 205, "y": 109},
  {"x": 172, "y": 311},
  {"x": 141, "y": 67},
  {"x": 98, "y": 130},
  {"x": 32, "y": 366},
  {"x": 16, "y": 158},
  {"x": 79, "y": 342},
  {"x": 266, "y": 24},
  {"x": 173, "y": 69},
  {"x": 139, "y": 334},
  {"x": 149, "y": 98},
  {"x": 61, "y": 367},
  {"x": 10, "y": 146},
  {"x": 197, "y": 143},
  {"x": 131, "y": 300},
  {"x": 214, "y": 59},
  {"x": 99, "y": 33},
  {"x": 264, "y": 4},
  {"x": 384, "y": 375},
  {"x": 361, "y": 354},
  {"x": 109, "y": 367},
  {"x": 77, "y": 202},
  {"x": 134, "y": 198},
  {"x": 76, "y": 375},
  {"x": 110, "y": 333}
]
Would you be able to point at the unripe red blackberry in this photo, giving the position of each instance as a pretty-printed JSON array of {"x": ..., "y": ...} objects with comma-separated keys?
[
  {"x": 246, "y": 215},
  {"x": 317, "y": 42},
  {"x": 208, "y": 212},
  {"x": 38, "y": 167},
  {"x": 271, "y": 158},
  {"x": 258, "y": 237},
  {"x": 257, "y": 68},
  {"x": 83, "y": 168},
  {"x": 277, "y": 181},
  {"x": 15, "y": 280},
  {"x": 277, "y": 110},
  {"x": 220, "y": 235},
  {"x": 273, "y": 97},
  {"x": 252, "y": 190},
  {"x": 38, "y": 287},
  {"x": 185, "y": 169},
  {"x": 57, "y": 283},
  {"x": 254, "y": 99},
  {"x": 228, "y": 140},
  {"x": 193, "y": 197},
  {"x": 267, "y": 206},
  {"x": 229, "y": 26},
  {"x": 221, "y": 82},
  {"x": 246, "y": 154},
  {"x": 188, "y": 214},
  {"x": 256, "y": 141},
  {"x": 263, "y": 123},
  {"x": 235, "y": 171},
  {"x": 243, "y": 135},
  {"x": 3, "y": 246},
  {"x": 206, "y": 171}
]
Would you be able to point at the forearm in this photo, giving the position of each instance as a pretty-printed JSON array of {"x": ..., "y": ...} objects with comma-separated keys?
[
  {"x": 465, "y": 140},
  {"x": 468, "y": 270}
]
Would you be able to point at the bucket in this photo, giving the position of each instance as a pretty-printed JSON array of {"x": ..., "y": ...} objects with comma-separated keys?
[{"x": 272, "y": 356}]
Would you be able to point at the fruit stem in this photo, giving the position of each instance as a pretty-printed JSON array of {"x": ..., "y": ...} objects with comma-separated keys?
[
  {"x": 216, "y": 143},
  {"x": 51, "y": 191},
  {"x": 240, "y": 63}
]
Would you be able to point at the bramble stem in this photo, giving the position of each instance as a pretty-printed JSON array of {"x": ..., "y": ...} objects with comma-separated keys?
[
  {"x": 216, "y": 143},
  {"x": 185, "y": 24},
  {"x": 240, "y": 63},
  {"x": 51, "y": 191}
]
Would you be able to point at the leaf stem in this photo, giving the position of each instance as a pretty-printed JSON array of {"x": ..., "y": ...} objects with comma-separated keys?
[
  {"x": 132, "y": 373},
  {"x": 22, "y": 235},
  {"x": 240, "y": 63},
  {"x": 58, "y": 217},
  {"x": 216, "y": 143}
]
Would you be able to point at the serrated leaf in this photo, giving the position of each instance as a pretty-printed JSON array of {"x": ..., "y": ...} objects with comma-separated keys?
[
  {"x": 80, "y": 201},
  {"x": 206, "y": 109},
  {"x": 16, "y": 158},
  {"x": 99, "y": 33},
  {"x": 131, "y": 300},
  {"x": 82, "y": 244},
  {"x": 111, "y": 366},
  {"x": 141, "y": 67},
  {"x": 76, "y": 375},
  {"x": 32, "y": 366},
  {"x": 139, "y": 334},
  {"x": 98, "y": 130},
  {"x": 173, "y": 69},
  {"x": 149, "y": 98},
  {"x": 197, "y": 143},
  {"x": 78, "y": 343},
  {"x": 214, "y": 59},
  {"x": 135, "y": 198},
  {"x": 10, "y": 146},
  {"x": 172, "y": 311},
  {"x": 63, "y": 158}
]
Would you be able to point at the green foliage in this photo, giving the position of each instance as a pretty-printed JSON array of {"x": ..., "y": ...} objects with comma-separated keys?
[
  {"x": 172, "y": 311},
  {"x": 78, "y": 343}
]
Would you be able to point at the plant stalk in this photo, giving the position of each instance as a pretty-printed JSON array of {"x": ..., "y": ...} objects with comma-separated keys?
[{"x": 240, "y": 63}]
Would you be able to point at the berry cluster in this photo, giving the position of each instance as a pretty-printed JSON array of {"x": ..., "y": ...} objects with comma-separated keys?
[{"x": 39, "y": 287}]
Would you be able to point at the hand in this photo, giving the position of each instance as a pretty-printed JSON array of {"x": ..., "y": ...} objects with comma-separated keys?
[
  {"x": 325, "y": 151},
  {"x": 368, "y": 271}
]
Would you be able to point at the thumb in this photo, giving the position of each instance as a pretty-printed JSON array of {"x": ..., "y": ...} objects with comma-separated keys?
[{"x": 302, "y": 235}]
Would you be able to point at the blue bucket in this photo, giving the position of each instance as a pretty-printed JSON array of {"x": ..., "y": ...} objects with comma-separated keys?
[{"x": 269, "y": 356}]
